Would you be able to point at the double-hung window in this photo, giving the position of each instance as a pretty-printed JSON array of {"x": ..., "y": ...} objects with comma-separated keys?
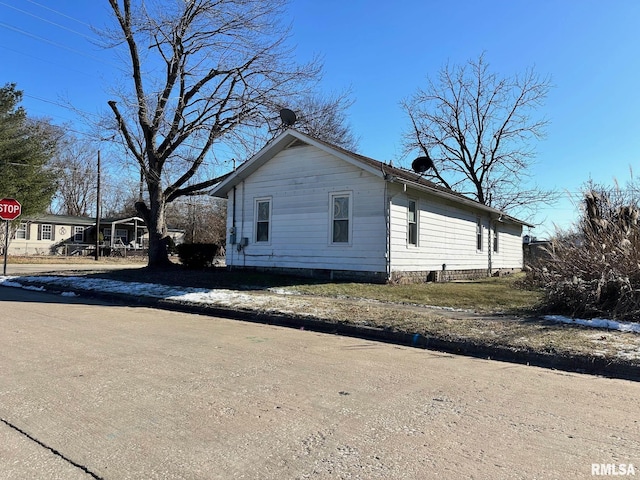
[
  {"x": 495, "y": 240},
  {"x": 412, "y": 223},
  {"x": 46, "y": 232},
  {"x": 340, "y": 218},
  {"x": 479, "y": 234},
  {"x": 21, "y": 232},
  {"x": 263, "y": 220},
  {"x": 78, "y": 234}
]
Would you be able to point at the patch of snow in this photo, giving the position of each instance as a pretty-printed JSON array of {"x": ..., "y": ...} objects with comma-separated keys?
[
  {"x": 597, "y": 323},
  {"x": 35, "y": 289},
  {"x": 7, "y": 282},
  {"x": 282, "y": 291},
  {"x": 226, "y": 297},
  {"x": 185, "y": 294}
]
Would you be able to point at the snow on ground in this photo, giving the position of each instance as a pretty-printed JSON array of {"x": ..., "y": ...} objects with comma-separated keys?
[
  {"x": 186, "y": 294},
  {"x": 597, "y": 323},
  {"x": 222, "y": 297}
]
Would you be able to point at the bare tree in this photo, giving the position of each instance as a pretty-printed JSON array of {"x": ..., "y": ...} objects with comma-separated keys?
[
  {"x": 203, "y": 219},
  {"x": 477, "y": 128},
  {"x": 203, "y": 72},
  {"x": 76, "y": 170},
  {"x": 324, "y": 117}
]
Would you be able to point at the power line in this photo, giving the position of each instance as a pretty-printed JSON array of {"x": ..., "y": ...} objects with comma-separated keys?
[
  {"x": 47, "y": 21},
  {"x": 55, "y": 44},
  {"x": 59, "y": 13},
  {"x": 57, "y": 64}
]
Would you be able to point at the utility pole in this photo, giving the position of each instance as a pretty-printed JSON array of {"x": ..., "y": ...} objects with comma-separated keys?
[{"x": 98, "y": 211}]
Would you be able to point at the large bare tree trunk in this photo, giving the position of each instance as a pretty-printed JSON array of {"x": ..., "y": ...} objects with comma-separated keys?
[
  {"x": 153, "y": 216},
  {"x": 202, "y": 72}
]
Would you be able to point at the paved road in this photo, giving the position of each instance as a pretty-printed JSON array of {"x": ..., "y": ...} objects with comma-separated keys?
[{"x": 90, "y": 390}]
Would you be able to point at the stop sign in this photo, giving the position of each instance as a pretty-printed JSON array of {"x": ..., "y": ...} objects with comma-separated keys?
[{"x": 10, "y": 209}]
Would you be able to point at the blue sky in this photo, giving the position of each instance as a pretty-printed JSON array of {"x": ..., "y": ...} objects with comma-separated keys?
[{"x": 383, "y": 53}]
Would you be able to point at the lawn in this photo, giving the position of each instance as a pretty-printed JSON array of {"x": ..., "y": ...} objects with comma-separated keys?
[
  {"x": 506, "y": 315},
  {"x": 501, "y": 294}
]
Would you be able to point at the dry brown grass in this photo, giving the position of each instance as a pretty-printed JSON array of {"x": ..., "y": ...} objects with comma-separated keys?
[
  {"x": 63, "y": 260},
  {"x": 465, "y": 311}
]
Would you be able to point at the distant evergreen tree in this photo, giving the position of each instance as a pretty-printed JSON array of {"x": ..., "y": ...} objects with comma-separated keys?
[{"x": 26, "y": 146}]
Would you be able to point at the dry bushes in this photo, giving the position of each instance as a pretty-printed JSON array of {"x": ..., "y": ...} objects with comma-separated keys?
[{"x": 595, "y": 271}]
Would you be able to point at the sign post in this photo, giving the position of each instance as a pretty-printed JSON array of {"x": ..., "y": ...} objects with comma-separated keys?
[{"x": 10, "y": 209}]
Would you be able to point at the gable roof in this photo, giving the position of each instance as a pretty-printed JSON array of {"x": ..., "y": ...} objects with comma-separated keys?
[{"x": 389, "y": 173}]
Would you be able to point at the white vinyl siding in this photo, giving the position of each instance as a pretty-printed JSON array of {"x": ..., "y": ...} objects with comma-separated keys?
[
  {"x": 509, "y": 253},
  {"x": 446, "y": 236},
  {"x": 301, "y": 182}
]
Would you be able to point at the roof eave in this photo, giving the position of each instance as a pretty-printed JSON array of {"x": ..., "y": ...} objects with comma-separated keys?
[{"x": 498, "y": 214}]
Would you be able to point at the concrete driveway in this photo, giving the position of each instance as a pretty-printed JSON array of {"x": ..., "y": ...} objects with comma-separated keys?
[{"x": 91, "y": 390}]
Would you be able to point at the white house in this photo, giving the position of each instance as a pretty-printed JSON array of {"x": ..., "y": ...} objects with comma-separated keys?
[
  {"x": 70, "y": 235},
  {"x": 301, "y": 205}
]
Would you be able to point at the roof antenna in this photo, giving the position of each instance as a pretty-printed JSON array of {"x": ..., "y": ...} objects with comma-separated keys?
[{"x": 288, "y": 117}]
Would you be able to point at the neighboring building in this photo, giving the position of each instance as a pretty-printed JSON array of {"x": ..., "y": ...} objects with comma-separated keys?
[
  {"x": 536, "y": 251},
  {"x": 68, "y": 235},
  {"x": 303, "y": 206}
]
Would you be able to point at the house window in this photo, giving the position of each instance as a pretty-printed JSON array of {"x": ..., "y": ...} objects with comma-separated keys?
[
  {"x": 21, "y": 232},
  {"x": 495, "y": 240},
  {"x": 479, "y": 234},
  {"x": 412, "y": 223},
  {"x": 46, "y": 232},
  {"x": 263, "y": 220},
  {"x": 122, "y": 235},
  {"x": 78, "y": 234},
  {"x": 340, "y": 218}
]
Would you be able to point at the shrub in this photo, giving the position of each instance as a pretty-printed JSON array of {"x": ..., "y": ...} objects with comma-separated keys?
[
  {"x": 171, "y": 245},
  {"x": 595, "y": 271},
  {"x": 197, "y": 255}
]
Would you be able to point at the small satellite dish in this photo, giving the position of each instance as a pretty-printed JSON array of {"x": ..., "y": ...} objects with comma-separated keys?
[
  {"x": 288, "y": 117},
  {"x": 421, "y": 164}
]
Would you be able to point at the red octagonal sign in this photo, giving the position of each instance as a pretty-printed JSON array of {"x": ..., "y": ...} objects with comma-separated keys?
[{"x": 10, "y": 209}]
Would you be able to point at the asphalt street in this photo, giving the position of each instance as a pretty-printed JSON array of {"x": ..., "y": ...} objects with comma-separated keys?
[{"x": 93, "y": 390}]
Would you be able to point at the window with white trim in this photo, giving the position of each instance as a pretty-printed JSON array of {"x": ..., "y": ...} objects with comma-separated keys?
[
  {"x": 495, "y": 240},
  {"x": 263, "y": 220},
  {"x": 78, "y": 234},
  {"x": 340, "y": 218},
  {"x": 479, "y": 234},
  {"x": 21, "y": 232},
  {"x": 412, "y": 223},
  {"x": 46, "y": 232}
]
